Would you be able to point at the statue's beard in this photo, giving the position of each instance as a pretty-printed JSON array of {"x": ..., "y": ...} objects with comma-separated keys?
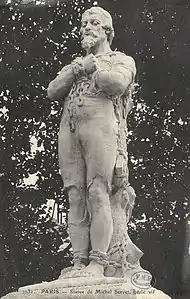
[{"x": 88, "y": 42}]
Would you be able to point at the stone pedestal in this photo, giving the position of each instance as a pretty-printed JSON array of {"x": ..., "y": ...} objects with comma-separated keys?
[{"x": 87, "y": 288}]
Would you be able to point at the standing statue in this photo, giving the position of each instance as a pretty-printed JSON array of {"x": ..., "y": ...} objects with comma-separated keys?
[{"x": 93, "y": 152}]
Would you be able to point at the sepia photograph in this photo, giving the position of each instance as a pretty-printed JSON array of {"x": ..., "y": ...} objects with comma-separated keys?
[{"x": 94, "y": 149}]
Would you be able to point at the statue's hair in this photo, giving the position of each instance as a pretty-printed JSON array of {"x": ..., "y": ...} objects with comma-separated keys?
[{"x": 108, "y": 24}]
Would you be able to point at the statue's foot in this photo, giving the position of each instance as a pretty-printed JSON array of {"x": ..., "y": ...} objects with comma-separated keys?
[
  {"x": 71, "y": 272},
  {"x": 94, "y": 270}
]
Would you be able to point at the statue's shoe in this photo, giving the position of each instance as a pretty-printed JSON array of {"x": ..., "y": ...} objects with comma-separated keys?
[
  {"x": 91, "y": 271},
  {"x": 73, "y": 271}
]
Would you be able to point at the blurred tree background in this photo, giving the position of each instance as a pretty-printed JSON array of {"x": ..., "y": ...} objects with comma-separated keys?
[{"x": 36, "y": 41}]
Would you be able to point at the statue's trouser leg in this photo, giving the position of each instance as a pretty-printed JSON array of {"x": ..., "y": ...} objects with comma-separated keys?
[
  {"x": 78, "y": 223},
  {"x": 72, "y": 166},
  {"x": 99, "y": 141},
  {"x": 101, "y": 228}
]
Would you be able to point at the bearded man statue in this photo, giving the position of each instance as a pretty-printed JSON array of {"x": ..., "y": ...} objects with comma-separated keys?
[{"x": 93, "y": 159}]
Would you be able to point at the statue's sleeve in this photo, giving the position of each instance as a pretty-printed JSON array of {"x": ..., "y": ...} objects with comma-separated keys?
[
  {"x": 61, "y": 85},
  {"x": 121, "y": 74}
]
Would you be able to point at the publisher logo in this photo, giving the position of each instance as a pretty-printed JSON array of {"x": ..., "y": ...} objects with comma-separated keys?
[{"x": 141, "y": 279}]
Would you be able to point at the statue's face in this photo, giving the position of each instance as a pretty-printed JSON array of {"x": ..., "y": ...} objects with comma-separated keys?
[{"x": 91, "y": 30}]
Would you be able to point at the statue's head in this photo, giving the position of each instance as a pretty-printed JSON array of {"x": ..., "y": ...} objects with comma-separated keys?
[{"x": 96, "y": 26}]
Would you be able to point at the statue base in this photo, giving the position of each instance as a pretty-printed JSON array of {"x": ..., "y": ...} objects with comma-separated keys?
[{"x": 87, "y": 288}]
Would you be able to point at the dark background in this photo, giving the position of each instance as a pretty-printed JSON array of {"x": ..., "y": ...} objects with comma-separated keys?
[{"x": 36, "y": 41}]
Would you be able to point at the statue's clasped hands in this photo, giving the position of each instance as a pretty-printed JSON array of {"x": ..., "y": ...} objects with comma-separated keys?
[{"x": 84, "y": 66}]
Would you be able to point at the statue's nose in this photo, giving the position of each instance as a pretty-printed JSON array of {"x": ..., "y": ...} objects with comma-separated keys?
[{"x": 88, "y": 27}]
